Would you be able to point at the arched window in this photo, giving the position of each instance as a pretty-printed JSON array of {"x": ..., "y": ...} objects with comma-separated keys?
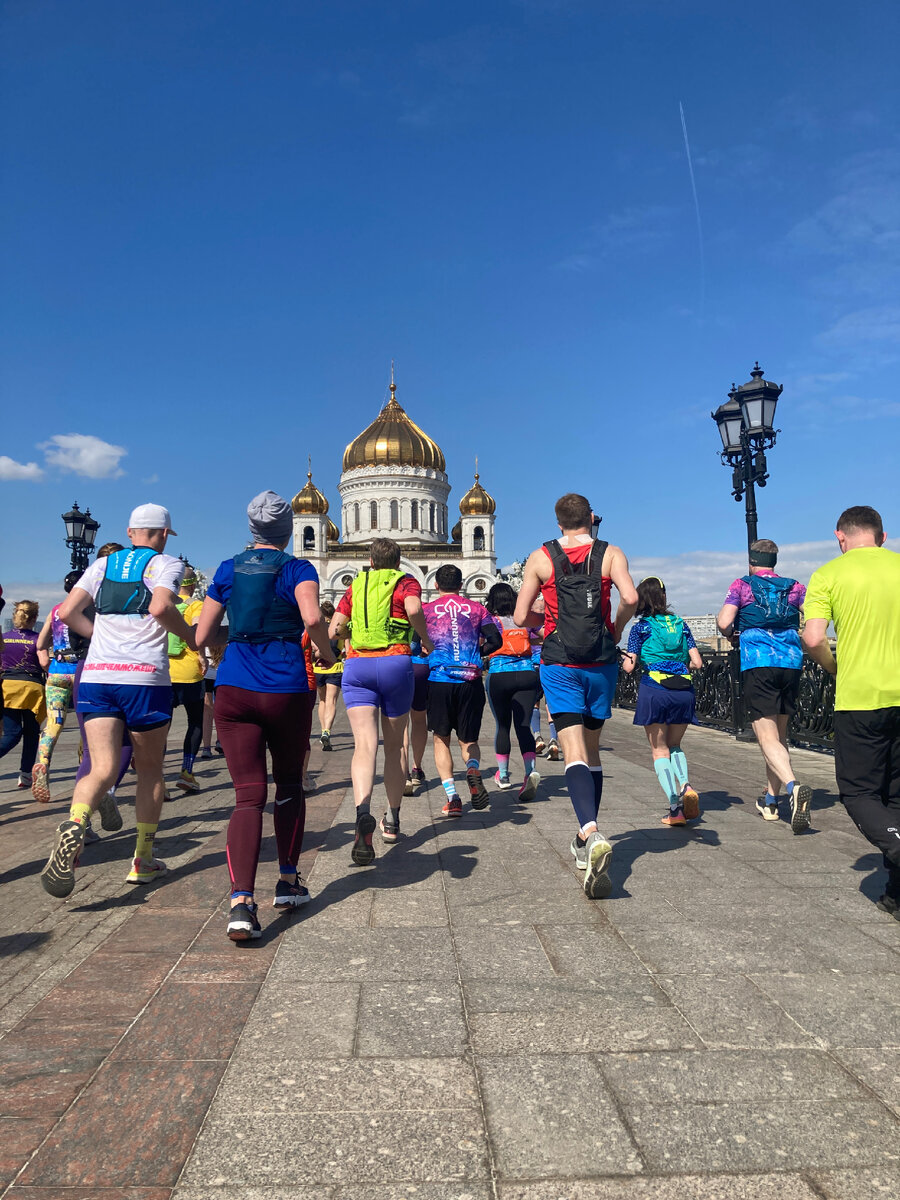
[
  {"x": 309, "y": 537},
  {"x": 356, "y": 518},
  {"x": 414, "y": 515},
  {"x": 373, "y": 515},
  {"x": 395, "y": 515},
  {"x": 431, "y": 516},
  {"x": 478, "y": 539}
]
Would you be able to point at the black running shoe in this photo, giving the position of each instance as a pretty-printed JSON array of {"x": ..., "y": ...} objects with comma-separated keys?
[
  {"x": 58, "y": 877},
  {"x": 478, "y": 793},
  {"x": 363, "y": 853},
  {"x": 325, "y": 739},
  {"x": 290, "y": 895},
  {"x": 801, "y": 796},
  {"x": 243, "y": 925},
  {"x": 889, "y": 904}
]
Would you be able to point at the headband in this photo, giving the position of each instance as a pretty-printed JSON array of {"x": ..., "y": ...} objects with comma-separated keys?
[
  {"x": 762, "y": 558},
  {"x": 655, "y": 577}
]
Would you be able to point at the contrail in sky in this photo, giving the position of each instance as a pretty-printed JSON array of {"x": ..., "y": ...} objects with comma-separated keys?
[{"x": 687, "y": 149}]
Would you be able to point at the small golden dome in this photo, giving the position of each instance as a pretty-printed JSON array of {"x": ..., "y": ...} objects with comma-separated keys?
[
  {"x": 309, "y": 501},
  {"x": 332, "y": 533},
  {"x": 393, "y": 440},
  {"x": 477, "y": 502},
  {"x": 456, "y": 532}
]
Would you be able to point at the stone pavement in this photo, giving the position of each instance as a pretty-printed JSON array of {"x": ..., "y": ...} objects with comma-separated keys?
[{"x": 458, "y": 1022}]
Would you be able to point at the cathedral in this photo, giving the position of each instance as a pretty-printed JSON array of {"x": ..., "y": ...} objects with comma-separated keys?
[{"x": 394, "y": 484}]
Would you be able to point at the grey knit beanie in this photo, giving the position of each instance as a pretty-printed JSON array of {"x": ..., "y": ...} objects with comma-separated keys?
[{"x": 270, "y": 516}]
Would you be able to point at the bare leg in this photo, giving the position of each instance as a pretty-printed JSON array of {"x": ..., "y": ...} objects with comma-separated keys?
[
  {"x": 364, "y": 724},
  {"x": 328, "y": 707},
  {"x": 771, "y": 733},
  {"x": 209, "y": 708},
  {"x": 104, "y": 739},
  {"x": 418, "y": 736},
  {"x": 443, "y": 757},
  {"x": 149, "y": 752},
  {"x": 470, "y": 750},
  {"x": 392, "y": 730}
]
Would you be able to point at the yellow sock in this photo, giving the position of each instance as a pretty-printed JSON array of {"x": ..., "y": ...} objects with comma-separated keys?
[
  {"x": 144, "y": 845},
  {"x": 80, "y": 813}
]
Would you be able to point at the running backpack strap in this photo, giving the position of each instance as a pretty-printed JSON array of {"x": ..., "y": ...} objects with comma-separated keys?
[
  {"x": 594, "y": 565},
  {"x": 559, "y": 558}
]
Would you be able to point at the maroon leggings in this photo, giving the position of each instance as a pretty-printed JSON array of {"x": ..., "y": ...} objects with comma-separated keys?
[{"x": 248, "y": 723}]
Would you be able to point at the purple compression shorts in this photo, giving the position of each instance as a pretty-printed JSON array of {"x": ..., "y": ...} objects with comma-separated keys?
[{"x": 384, "y": 681}]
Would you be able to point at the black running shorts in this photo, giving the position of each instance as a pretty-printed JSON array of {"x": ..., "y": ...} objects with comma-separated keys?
[
  {"x": 770, "y": 691},
  {"x": 456, "y": 707}
]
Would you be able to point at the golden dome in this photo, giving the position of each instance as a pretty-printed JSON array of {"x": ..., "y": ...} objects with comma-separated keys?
[
  {"x": 309, "y": 501},
  {"x": 477, "y": 502},
  {"x": 393, "y": 440},
  {"x": 332, "y": 533}
]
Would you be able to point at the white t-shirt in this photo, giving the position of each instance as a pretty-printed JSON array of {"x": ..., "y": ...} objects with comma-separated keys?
[{"x": 133, "y": 650}]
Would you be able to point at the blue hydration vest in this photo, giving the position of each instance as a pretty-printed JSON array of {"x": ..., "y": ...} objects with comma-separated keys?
[
  {"x": 771, "y": 608},
  {"x": 667, "y": 644},
  {"x": 255, "y": 613},
  {"x": 123, "y": 591}
]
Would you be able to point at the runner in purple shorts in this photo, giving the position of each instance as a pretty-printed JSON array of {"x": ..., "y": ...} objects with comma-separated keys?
[{"x": 383, "y": 606}]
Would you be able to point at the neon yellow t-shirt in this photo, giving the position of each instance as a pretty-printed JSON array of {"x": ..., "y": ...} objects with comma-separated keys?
[
  {"x": 860, "y": 593},
  {"x": 185, "y": 667}
]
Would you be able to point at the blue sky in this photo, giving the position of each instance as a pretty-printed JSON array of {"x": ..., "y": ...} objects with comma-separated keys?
[{"x": 220, "y": 221}]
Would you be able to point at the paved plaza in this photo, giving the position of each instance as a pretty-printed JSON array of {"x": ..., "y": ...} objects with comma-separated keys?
[{"x": 457, "y": 1022}]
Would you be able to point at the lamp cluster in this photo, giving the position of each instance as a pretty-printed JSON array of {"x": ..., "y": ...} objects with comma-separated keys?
[{"x": 81, "y": 532}]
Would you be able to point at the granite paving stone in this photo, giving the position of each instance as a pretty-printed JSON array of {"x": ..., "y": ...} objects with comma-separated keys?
[
  {"x": 685, "y": 1187},
  {"x": 878, "y": 1069},
  {"x": 189, "y": 1021},
  {"x": 298, "y": 1020},
  {"x": 376, "y": 955},
  {"x": 408, "y": 1020},
  {"x": 505, "y": 953},
  {"x": 839, "y": 1008},
  {"x": 880, "y": 1183},
  {"x": 729, "y": 1010}
]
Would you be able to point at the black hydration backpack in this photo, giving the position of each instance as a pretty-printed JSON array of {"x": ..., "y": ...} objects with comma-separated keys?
[{"x": 581, "y": 636}]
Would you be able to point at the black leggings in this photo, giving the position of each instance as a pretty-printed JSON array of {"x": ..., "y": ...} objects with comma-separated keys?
[
  {"x": 512, "y": 696},
  {"x": 191, "y": 696}
]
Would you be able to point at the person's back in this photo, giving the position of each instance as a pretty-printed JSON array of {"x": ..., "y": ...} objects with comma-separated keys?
[{"x": 455, "y": 626}]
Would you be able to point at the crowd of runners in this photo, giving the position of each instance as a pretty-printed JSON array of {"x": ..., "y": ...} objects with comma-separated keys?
[{"x": 130, "y": 642}]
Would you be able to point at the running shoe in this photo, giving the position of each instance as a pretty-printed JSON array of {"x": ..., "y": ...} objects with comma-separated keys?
[
  {"x": 889, "y": 904},
  {"x": 40, "y": 784},
  {"x": 187, "y": 782},
  {"x": 409, "y": 788},
  {"x": 801, "y": 797},
  {"x": 168, "y": 798},
  {"x": 110, "y": 817},
  {"x": 363, "y": 853},
  {"x": 675, "y": 816},
  {"x": 540, "y": 746},
  {"x": 89, "y": 835},
  {"x": 529, "y": 787},
  {"x": 308, "y": 785},
  {"x": 478, "y": 793},
  {"x": 24, "y": 781},
  {"x": 503, "y": 781},
  {"x": 453, "y": 807},
  {"x": 290, "y": 895},
  {"x": 553, "y": 751},
  {"x": 206, "y": 753},
  {"x": 218, "y": 748},
  {"x": 243, "y": 925},
  {"x": 767, "y": 807},
  {"x": 690, "y": 802},
  {"x": 325, "y": 739},
  {"x": 58, "y": 876},
  {"x": 145, "y": 870},
  {"x": 389, "y": 831},
  {"x": 579, "y": 853},
  {"x": 598, "y": 853}
]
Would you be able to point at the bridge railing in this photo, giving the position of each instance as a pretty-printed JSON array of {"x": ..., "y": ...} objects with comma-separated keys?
[{"x": 720, "y": 701}]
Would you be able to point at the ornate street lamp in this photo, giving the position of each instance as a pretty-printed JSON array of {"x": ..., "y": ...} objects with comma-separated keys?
[
  {"x": 81, "y": 532},
  {"x": 747, "y": 427}
]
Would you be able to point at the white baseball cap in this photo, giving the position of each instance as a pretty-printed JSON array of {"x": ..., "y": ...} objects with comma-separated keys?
[{"x": 151, "y": 516}]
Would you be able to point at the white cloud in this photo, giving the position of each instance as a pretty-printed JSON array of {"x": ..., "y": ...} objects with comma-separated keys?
[
  {"x": 866, "y": 326},
  {"x": 10, "y": 469},
  {"x": 83, "y": 454}
]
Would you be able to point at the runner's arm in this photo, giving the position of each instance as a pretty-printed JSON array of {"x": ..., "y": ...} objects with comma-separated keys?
[
  {"x": 338, "y": 624},
  {"x": 44, "y": 642},
  {"x": 164, "y": 610},
  {"x": 726, "y": 619},
  {"x": 815, "y": 643},
  {"x": 71, "y": 612},
  {"x": 624, "y": 584},
  {"x": 307, "y": 596},
  {"x": 208, "y": 624},
  {"x": 491, "y": 639},
  {"x": 695, "y": 658},
  {"x": 413, "y": 607},
  {"x": 629, "y": 662},
  {"x": 532, "y": 578}
]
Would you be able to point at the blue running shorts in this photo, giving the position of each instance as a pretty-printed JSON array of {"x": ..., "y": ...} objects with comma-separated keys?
[
  {"x": 140, "y": 706},
  {"x": 384, "y": 681},
  {"x": 585, "y": 690}
]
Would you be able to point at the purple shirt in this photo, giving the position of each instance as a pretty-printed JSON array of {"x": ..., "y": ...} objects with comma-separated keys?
[
  {"x": 20, "y": 660},
  {"x": 741, "y": 594}
]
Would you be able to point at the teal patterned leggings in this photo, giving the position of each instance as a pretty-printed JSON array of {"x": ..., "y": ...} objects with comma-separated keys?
[{"x": 58, "y": 693}]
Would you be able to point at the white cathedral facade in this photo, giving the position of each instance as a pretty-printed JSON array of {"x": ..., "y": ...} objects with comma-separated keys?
[{"x": 394, "y": 484}]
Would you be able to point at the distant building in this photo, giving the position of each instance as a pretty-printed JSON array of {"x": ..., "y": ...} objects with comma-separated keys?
[{"x": 394, "y": 484}]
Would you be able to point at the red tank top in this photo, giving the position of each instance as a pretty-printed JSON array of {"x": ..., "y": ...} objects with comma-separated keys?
[{"x": 575, "y": 555}]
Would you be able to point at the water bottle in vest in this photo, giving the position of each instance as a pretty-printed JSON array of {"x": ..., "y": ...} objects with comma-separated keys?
[
  {"x": 122, "y": 591},
  {"x": 371, "y": 625},
  {"x": 581, "y": 636}
]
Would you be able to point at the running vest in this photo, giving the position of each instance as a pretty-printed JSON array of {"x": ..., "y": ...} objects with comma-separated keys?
[
  {"x": 581, "y": 636},
  {"x": 771, "y": 608},
  {"x": 667, "y": 643},
  {"x": 177, "y": 645},
  {"x": 371, "y": 625},
  {"x": 123, "y": 592},
  {"x": 516, "y": 642},
  {"x": 255, "y": 613}
]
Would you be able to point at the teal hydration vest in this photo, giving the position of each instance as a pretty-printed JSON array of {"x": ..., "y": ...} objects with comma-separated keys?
[
  {"x": 123, "y": 592},
  {"x": 256, "y": 614},
  {"x": 666, "y": 645}
]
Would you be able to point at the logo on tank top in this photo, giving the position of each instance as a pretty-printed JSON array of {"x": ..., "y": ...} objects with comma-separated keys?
[{"x": 453, "y": 609}]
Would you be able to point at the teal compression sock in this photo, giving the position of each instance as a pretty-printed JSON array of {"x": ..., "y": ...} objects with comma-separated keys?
[
  {"x": 679, "y": 765},
  {"x": 663, "y": 769}
]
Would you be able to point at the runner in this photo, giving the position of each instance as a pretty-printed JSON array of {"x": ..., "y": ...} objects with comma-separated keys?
[
  {"x": 213, "y": 657},
  {"x": 24, "y": 706},
  {"x": 134, "y": 596},
  {"x": 513, "y": 684},
  {"x": 664, "y": 646},
  {"x": 461, "y": 631},
  {"x": 579, "y": 666},
  {"x": 187, "y": 669},
  {"x": 263, "y": 700},
  {"x": 384, "y": 608},
  {"x": 415, "y": 739},
  {"x": 764, "y": 610},
  {"x": 60, "y": 660},
  {"x": 860, "y": 593},
  {"x": 328, "y": 683}
]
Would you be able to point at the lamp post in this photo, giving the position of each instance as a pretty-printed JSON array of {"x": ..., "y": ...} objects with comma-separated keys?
[
  {"x": 81, "y": 532},
  {"x": 747, "y": 427}
]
